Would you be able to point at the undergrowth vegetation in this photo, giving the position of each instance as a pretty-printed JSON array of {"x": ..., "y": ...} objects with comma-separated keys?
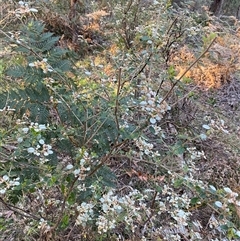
[{"x": 118, "y": 121}]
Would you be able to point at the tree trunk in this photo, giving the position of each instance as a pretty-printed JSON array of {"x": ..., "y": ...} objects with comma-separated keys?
[
  {"x": 238, "y": 13},
  {"x": 72, "y": 18},
  {"x": 216, "y": 7}
]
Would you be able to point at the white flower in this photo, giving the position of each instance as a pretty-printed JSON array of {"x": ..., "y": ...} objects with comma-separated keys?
[
  {"x": 5, "y": 178},
  {"x": 31, "y": 64},
  {"x": 207, "y": 127},
  {"x": 20, "y": 139},
  {"x": 42, "y": 127},
  {"x": 238, "y": 233},
  {"x": 2, "y": 191},
  {"x": 88, "y": 73},
  {"x": 30, "y": 150},
  {"x": 25, "y": 130},
  {"x": 41, "y": 141},
  {"x": 34, "y": 10},
  {"x": 203, "y": 137},
  {"x": 47, "y": 150},
  {"x": 227, "y": 190},
  {"x": 218, "y": 204},
  {"x": 105, "y": 207},
  {"x": 143, "y": 103},
  {"x": 82, "y": 161},
  {"x": 76, "y": 172},
  {"x": 69, "y": 166},
  {"x": 213, "y": 188},
  {"x": 153, "y": 121},
  {"x": 16, "y": 183}
]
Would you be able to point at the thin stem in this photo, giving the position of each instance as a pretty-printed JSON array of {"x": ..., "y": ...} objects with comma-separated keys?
[
  {"x": 184, "y": 73},
  {"x": 13, "y": 208},
  {"x": 117, "y": 97}
]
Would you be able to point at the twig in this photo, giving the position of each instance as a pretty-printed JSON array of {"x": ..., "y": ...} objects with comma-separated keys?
[
  {"x": 13, "y": 208},
  {"x": 177, "y": 81},
  {"x": 106, "y": 158},
  {"x": 117, "y": 97},
  {"x": 65, "y": 104},
  {"x": 36, "y": 54}
]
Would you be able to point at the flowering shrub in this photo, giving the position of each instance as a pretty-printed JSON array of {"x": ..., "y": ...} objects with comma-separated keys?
[{"x": 95, "y": 148}]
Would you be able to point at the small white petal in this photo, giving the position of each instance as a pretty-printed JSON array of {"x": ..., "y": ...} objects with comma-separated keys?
[
  {"x": 42, "y": 127},
  {"x": 25, "y": 130},
  {"x": 20, "y": 139},
  {"x": 76, "y": 172},
  {"x": 203, "y": 137},
  {"x": 5, "y": 177},
  {"x": 143, "y": 103},
  {"x": 105, "y": 207},
  {"x": 30, "y": 150},
  {"x": 181, "y": 213},
  {"x": 153, "y": 120},
  {"x": 88, "y": 73},
  {"x": 218, "y": 204},
  {"x": 2, "y": 191},
  {"x": 238, "y": 233},
  {"x": 69, "y": 166},
  {"x": 41, "y": 141},
  {"x": 207, "y": 127},
  {"x": 34, "y": 10},
  {"x": 213, "y": 188},
  {"x": 150, "y": 102},
  {"x": 227, "y": 189}
]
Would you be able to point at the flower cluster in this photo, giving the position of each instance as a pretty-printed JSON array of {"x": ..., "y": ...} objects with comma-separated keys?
[
  {"x": 215, "y": 125},
  {"x": 82, "y": 167},
  {"x": 7, "y": 183},
  {"x": 195, "y": 154},
  {"x": 6, "y": 109},
  {"x": 40, "y": 148},
  {"x": 37, "y": 146},
  {"x": 113, "y": 207},
  {"x": 144, "y": 146},
  {"x": 176, "y": 205},
  {"x": 85, "y": 211},
  {"x": 42, "y": 65},
  {"x": 229, "y": 198},
  {"x": 23, "y": 9},
  {"x": 154, "y": 106},
  {"x": 44, "y": 226}
]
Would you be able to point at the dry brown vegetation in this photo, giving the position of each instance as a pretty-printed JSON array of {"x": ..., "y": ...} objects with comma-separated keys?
[{"x": 149, "y": 114}]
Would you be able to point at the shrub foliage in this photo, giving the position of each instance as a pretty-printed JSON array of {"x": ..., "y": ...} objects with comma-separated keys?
[{"x": 112, "y": 145}]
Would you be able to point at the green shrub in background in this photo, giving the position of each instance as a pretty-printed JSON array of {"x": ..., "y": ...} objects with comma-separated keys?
[{"x": 71, "y": 136}]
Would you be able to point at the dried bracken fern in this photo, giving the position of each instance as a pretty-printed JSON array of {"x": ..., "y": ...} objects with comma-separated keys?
[{"x": 216, "y": 67}]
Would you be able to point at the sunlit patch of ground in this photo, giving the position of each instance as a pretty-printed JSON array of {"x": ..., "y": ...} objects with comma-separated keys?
[{"x": 217, "y": 66}]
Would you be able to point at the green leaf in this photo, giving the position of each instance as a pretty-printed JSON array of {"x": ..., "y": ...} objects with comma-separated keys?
[
  {"x": 178, "y": 182},
  {"x": 72, "y": 198},
  {"x": 194, "y": 201},
  {"x": 64, "y": 221},
  {"x": 145, "y": 38}
]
